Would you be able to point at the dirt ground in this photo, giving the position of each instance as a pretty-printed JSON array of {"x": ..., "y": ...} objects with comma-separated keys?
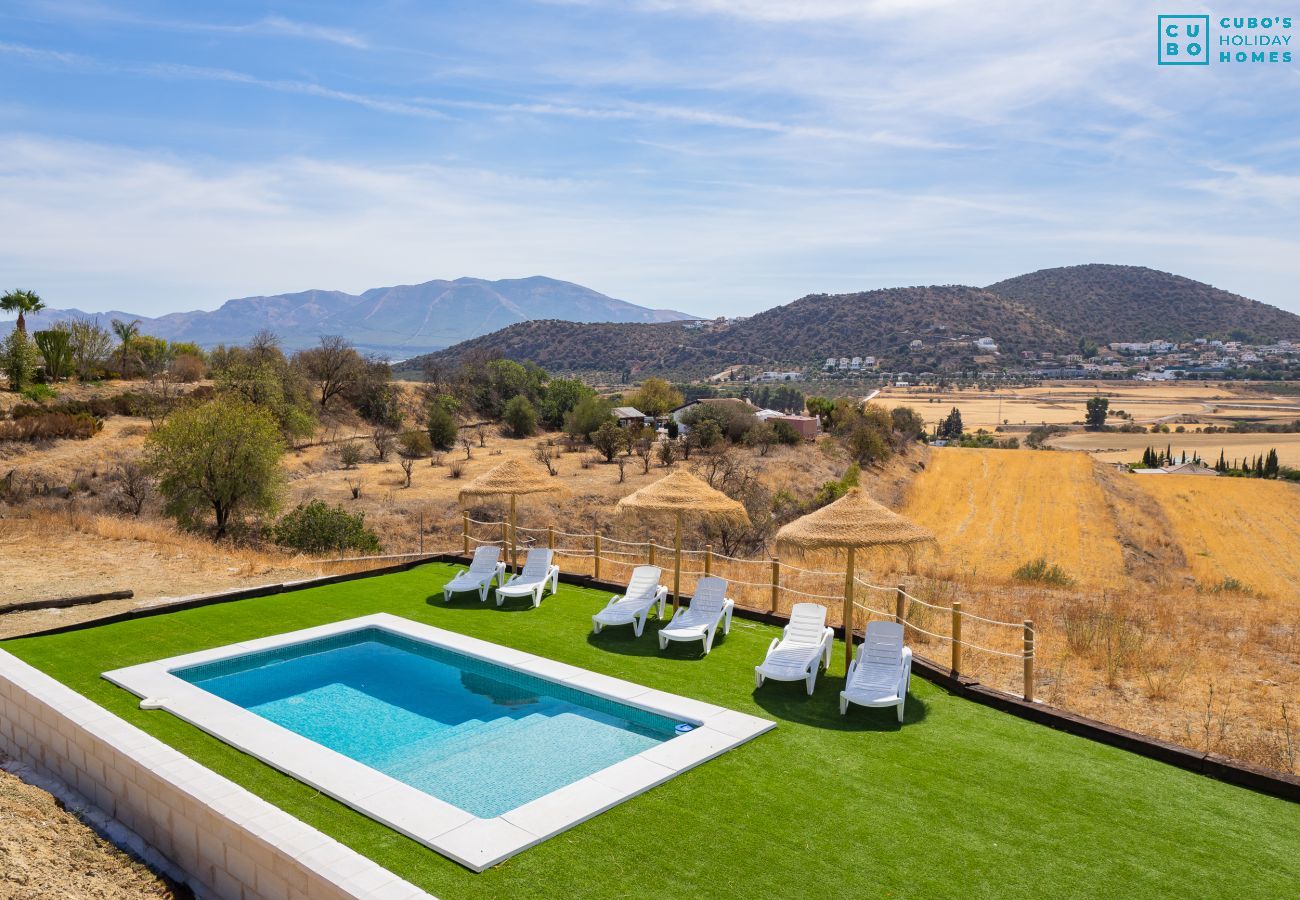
[{"x": 47, "y": 852}]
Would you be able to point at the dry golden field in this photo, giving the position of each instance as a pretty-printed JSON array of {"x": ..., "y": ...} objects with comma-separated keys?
[
  {"x": 995, "y": 510},
  {"x": 1243, "y": 529},
  {"x": 1114, "y": 447},
  {"x": 1063, "y": 403}
]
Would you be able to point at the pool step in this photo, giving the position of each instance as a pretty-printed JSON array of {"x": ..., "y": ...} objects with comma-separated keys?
[{"x": 418, "y": 756}]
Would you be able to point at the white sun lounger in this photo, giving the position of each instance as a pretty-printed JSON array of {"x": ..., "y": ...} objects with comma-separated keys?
[
  {"x": 699, "y": 621},
  {"x": 485, "y": 566},
  {"x": 633, "y": 606},
  {"x": 879, "y": 674},
  {"x": 803, "y": 648},
  {"x": 537, "y": 573}
]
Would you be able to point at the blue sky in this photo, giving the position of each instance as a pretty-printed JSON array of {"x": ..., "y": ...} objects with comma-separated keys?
[{"x": 716, "y": 156}]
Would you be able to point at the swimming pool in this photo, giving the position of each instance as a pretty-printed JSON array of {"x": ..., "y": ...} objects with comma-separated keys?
[{"x": 475, "y": 750}]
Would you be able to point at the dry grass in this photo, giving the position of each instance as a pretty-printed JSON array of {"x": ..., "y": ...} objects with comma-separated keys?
[
  {"x": 1243, "y": 529},
  {"x": 996, "y": 510}
]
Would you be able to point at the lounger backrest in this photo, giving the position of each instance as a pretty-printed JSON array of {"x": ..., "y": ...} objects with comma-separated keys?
[
  {"x": 710, "y": 593},
  {"x": 537, "y": 565},
  {"x": 485, "y": 559},
  {"x": 644, "y": 582},
  {"x": 807, "y": 623},
  {"x": 883, "y": 647}
]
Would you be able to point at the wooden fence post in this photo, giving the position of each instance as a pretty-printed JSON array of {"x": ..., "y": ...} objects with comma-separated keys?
[
  {"x": 650, "y": 553},
  {"x": 422, "y": 532},
  {"x": 550, "y": 537},
  {"x": 505, "y": 545},
  {"x": 900, "y": 605},
  {"x": 596, "y": 558},
  {"x": 956, "y": 637},
  {"x": 708, "y": 559},
  {"x": 464, "y": 533},
  {"x": 776, "y": 583},
  {"x": 1029, "y": 660}
]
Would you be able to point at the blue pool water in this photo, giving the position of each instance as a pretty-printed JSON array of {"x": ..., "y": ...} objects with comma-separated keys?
[{"x": 479, "y": 736}]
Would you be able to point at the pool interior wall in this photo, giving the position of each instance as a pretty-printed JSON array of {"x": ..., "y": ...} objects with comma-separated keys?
[{"x": 480, "y": 736}]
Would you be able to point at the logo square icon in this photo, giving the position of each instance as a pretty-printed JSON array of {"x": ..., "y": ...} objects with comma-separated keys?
[{"x": 1183, "y": 40}]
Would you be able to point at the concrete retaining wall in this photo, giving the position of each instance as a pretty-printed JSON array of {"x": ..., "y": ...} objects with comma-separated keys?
[{"x": 229, "y": 842}]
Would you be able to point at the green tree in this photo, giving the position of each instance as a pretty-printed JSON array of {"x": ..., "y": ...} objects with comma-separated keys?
[
  {"x": 1271, "y": 466},
  {"x": 655, "y": 397},
  {"x": 221, "y": 457},
  {"x": 951, "y": 426},
  {"x": 21, "y": 302},
  {"x": 441, "y": 427},
  {"x": 560, "y": 397},
  {"x": 18, "y": 359},
  {"x": 907, "y": 422},
  {"x": 317, "y": 527},
  {"x": 822, "y": 407},
  {"x": 588, "y": 416},
  {"x": 126, "y": 333},
  {"x": 520, "y": 417},
  {"x": 274, "y": 387},
  {"x": 56, "y": 351},
  {"x": 1097, "y": 409},
  {"x": 608, "y": 439}
]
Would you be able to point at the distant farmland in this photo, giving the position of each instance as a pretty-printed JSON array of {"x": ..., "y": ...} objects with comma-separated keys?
[
  {"x": 994, "y": 510},
  {"x": 1115, "y": 447}
]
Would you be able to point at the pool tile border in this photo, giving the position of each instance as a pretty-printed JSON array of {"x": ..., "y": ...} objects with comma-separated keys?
[{"x": 474, "y": 842}]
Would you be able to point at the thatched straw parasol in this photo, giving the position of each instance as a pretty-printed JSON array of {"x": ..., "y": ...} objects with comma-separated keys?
[
  {"x": 513, "y": 477},
  {"x": 854, "y": 521},
  {"x": 675, "y": 495}
]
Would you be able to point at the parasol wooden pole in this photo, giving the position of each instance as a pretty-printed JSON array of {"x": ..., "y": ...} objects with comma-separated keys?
[
  {"x": 464, "y": 532},
  {"x": 677, "y": 564},
  {"x": 848, "y": 610},
  {"x": 514, "y": 555}
]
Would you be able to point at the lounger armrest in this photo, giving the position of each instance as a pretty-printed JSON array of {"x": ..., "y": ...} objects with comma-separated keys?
[{"x": 614, "y": 599}]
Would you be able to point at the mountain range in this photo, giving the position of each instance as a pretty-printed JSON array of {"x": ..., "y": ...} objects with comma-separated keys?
[
  {"x": 396, "y": 322},
  {"x": 1049, "y": 310}
]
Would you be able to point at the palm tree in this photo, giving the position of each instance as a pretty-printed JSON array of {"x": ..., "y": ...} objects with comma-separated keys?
[
  {"x": 126, "y": 332},
  {"x": 21, "y": 302}
]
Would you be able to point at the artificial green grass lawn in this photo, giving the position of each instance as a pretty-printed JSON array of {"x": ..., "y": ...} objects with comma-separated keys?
[{"x": 961, "y": 800}]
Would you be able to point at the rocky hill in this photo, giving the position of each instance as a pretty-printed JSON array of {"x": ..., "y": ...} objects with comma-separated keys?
[
  {"x": 1049, "y": 310},
  {"x": 1133, "y": 303}
]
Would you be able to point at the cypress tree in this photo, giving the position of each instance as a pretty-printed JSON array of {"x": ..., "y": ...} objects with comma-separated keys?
[{"x": 1271, "y": 464}]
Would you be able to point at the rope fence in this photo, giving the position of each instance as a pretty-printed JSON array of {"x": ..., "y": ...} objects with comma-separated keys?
[{"x": 978, "y": 645}]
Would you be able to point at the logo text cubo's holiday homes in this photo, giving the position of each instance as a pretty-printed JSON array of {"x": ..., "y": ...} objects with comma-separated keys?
[{"x": 1196, "y": 40}]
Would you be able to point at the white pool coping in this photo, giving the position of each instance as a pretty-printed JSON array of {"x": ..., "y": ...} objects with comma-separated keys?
[{"x": 473, "y": 842}]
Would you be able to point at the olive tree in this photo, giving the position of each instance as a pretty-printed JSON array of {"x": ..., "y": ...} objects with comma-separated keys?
[{"x": 221, "y": 457}]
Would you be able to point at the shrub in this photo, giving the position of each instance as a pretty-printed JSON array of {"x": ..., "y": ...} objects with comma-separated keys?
[
  {"x": 414, "y": 445},
  {"x": 39, "y": 393},
  {"x": 520, "y": 417},
  {"x": 49, "y": 426},
  {"x": 785, "y": 433},
  {"x": 1040, "y": 572},
  {"x": 349, "y": 455},
  {"x": 319, "y": 528},
  {"x": 456, "y": 468},
  {"x": 441, "y": 428},
  {"x": 187, "y": 368}
]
